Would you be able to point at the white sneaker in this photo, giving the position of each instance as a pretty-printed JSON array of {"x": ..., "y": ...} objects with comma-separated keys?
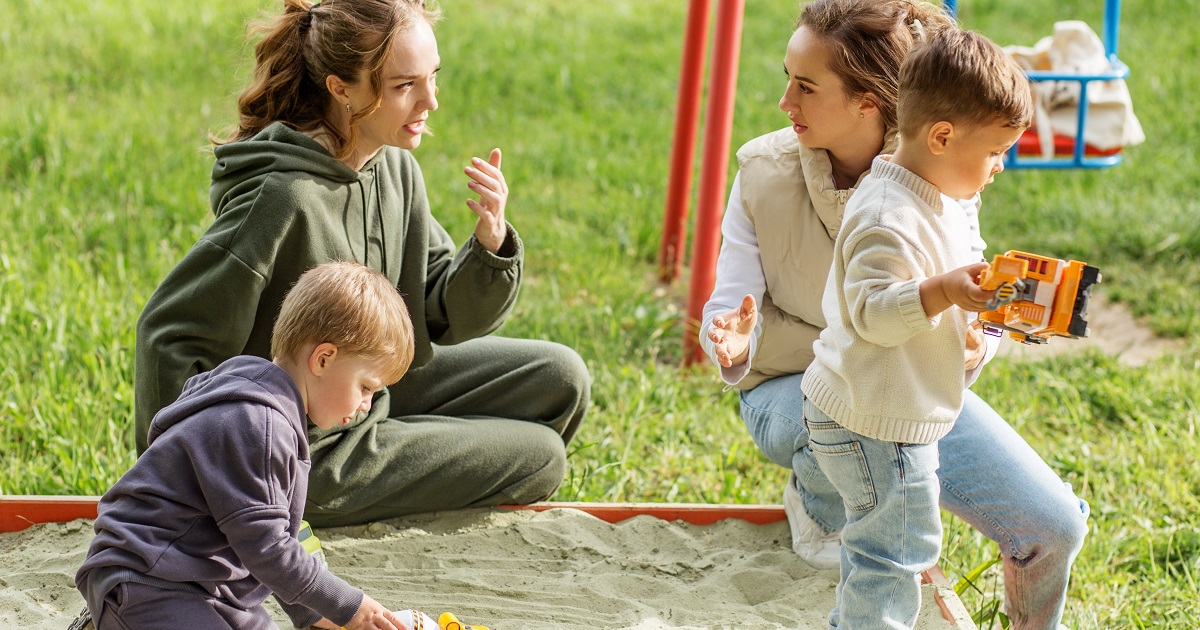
[{"x": 819, "y": 549}]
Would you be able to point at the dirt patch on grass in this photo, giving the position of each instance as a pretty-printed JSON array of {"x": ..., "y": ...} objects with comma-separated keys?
[{"x": 1112, "y": 328}]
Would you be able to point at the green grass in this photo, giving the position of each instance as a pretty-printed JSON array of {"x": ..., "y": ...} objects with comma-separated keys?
[{"x": 103, "y": 187}]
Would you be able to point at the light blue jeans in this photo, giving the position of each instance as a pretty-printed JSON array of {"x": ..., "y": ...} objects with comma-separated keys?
[
  {"x": 893, "y": 528},
  {"x": 989, "y": 477}
]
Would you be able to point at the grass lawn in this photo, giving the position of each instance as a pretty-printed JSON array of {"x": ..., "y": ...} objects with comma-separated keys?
[{"x": 104, "y": 182}]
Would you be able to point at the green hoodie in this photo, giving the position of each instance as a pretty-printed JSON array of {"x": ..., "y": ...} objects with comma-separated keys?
[{"x": 283, "y": 205}]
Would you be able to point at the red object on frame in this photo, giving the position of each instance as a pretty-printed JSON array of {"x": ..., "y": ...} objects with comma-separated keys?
[
  {"x": 1030, "y": 145},
  {"x": 714, "y": 160},
  {"x": 687, "y": 116},
  {"x": 718, "y": 129}
]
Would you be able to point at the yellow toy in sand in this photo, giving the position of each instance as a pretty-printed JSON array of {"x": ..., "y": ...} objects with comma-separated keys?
[
  {"x": 447, "y": 621},
  {"x": 311, "y": 543},
  {"x": 1037, "y": 297},
  {"x": 417, "y": 620}
]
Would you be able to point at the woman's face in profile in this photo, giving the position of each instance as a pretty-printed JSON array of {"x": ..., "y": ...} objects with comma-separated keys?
[
  {"x": 815, "y": 98},
  {"x": 409, "y": 92}
]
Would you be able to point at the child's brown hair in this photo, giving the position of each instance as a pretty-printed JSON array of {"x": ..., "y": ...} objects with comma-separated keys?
[
  {"x": 963, "y": 78},
  {"x": 352, "y": 307}
]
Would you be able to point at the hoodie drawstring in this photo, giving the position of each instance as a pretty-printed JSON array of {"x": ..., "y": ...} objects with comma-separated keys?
[
  {"x": 366, "y": 232},
  {"x": 382, "y": 227},
  {"x": 366, "y": 257}
]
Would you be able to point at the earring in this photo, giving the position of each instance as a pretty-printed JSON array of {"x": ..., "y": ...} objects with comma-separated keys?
[
  {"x": 861, "y": 115},
  {"x": 347, "y": 107}
]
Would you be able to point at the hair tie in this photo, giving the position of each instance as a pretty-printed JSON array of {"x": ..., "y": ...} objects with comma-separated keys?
[
  {"x": 306, "y": 21},
  {"x": 917, "y": 29}
]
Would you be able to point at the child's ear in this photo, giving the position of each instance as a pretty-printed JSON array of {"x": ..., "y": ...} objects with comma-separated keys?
[
  {"x": 321, "y": 357},
  {"x": 940, "y": 134}
]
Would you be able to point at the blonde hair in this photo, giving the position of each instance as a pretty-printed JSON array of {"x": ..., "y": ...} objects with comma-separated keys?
[
  {"x": 352, "y": 307},
  {"x": 963, "y": 78},
  {"x": 309, "y": 42},
  {"x": 869, "y": 39}
]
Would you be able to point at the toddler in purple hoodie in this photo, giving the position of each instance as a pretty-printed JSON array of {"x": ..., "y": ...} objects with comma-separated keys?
[{"x": 203, "y": 527}]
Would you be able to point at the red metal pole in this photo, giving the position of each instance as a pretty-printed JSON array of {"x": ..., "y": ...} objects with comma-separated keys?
[
  {"x": 717, "y": 132},
  {"x": 687, "y": 115}
]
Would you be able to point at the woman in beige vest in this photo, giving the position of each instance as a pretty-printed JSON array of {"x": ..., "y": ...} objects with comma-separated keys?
[{"x": 784, "y": 211}]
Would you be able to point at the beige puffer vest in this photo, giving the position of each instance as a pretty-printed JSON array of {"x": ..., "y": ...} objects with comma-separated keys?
[{"x": 788, "y": 192}]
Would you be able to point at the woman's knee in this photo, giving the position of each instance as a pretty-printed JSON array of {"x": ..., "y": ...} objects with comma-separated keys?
[
  {"x": 563, "y": 389},
  {"x": 1060, "y": 529},
  {"x": 1071, "y": 526},
  {"x": 566, "y": 372},
  {"x": 541, "y": 469}
]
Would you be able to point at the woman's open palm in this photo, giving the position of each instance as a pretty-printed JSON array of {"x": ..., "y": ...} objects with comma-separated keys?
[{"x": 730, "y": 332}]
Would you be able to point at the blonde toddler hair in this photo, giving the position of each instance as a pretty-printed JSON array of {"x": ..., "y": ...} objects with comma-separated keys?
[{"x": 352, "y": 307}]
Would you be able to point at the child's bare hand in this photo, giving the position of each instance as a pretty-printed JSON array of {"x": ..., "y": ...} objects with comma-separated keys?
[
  {"x": 976, "y": 345},
  {"x": 373, "y": 616},
  {"x": 730, "y": 332},
  {"x": 955, "y": 288},
  {"x": 961, "y": 287},
  {"x": 488, "y": 182}
]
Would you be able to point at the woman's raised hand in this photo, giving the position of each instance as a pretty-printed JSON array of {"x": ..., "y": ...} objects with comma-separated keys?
[
  {"x": 488, "y": 182},
  {"x": 731, "y": 331}
]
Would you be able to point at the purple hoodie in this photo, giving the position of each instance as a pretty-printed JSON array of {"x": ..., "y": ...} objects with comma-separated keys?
[{"x": 216, "y": 500}]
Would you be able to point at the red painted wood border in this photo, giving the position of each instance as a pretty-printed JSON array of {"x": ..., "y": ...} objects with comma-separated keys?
[{"x": 18, "y": 512}]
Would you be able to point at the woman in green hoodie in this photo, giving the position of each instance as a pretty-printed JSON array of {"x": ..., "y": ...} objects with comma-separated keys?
[{"x": 320, "y": 169}]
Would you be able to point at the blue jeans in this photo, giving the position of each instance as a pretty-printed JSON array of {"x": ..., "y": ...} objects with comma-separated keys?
[
  {"x": 893, "y": 528},
  {"x": 989, "y": 477}
]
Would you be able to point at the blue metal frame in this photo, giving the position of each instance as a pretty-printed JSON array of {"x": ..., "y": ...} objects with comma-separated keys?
[{"x": 1112, "y": 17}]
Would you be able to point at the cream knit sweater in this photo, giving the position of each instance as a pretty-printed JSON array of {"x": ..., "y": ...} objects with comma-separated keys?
[{"x": 882, "y": 369}]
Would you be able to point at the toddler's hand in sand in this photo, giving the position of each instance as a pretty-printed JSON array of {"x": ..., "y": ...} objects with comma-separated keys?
[
  {"x": 730, "y": 332},
  {"x": 372, "y": 616}
]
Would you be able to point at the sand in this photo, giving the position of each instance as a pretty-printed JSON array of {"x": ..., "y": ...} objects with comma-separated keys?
[{"x": 511, "y": 569}]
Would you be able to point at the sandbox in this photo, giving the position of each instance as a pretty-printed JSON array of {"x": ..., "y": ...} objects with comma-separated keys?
[{"x": 550, "y": 565}]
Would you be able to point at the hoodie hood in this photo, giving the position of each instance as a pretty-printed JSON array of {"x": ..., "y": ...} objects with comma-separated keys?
[
  {"x": 354, "y": 199},
  {"x": 276, "y": 149},
  {"x": 244, "y": 379}
]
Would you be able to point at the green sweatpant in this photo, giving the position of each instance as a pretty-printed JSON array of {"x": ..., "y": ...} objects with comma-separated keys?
[{"x": 485, "y": 422}]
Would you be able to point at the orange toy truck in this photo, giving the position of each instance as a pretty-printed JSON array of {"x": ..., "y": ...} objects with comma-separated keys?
[{"x": 1037, "y": 297}]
